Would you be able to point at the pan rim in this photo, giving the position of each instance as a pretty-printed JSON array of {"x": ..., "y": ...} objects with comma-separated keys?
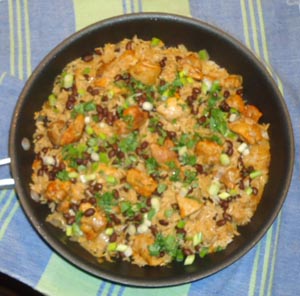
[{"x": 52, "y": 242}]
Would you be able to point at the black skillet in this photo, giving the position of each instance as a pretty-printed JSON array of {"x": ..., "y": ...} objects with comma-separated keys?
[{"x": 259, "y": 89}]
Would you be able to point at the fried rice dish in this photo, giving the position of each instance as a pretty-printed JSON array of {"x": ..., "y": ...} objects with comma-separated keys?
[{"x": 149, "y": 154}]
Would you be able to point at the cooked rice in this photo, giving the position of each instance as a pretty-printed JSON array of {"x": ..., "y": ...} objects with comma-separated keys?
[{"x": 149, "y": 154}]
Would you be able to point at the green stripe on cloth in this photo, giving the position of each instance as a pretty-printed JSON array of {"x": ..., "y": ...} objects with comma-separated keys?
[
  {"x": 62, "y": 279},
  {"x": 174, "y": 291},
  {"x": 90, "y": 11},
  {"x": 268, "y": 256},
  {"x": 8, "y": 219},
  {"x": 179, "y": 7}
]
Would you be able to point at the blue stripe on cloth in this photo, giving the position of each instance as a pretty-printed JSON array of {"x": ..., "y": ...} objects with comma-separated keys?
[
  {"x": 4, "y": 38},
  {"x": 23, "y": 253},
  {"x": 49, "y": 30}
]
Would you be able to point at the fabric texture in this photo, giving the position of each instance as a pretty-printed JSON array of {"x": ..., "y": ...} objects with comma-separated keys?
[{"x": 29, "y": 29}]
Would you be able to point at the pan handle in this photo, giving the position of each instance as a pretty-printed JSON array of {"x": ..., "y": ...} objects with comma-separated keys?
[{"x": 6, "y": 183}]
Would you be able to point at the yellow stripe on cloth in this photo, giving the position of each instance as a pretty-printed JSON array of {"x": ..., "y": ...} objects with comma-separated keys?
[
  {"x": 178, "y": 7},
  {"x": 62, "y": 279},
  {"x": 90, "y": 11}
]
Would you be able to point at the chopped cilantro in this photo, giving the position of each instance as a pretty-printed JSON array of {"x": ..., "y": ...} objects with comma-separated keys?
[
  {"x": 63, "y": 175},
  {"x": 151, "y": 165}
]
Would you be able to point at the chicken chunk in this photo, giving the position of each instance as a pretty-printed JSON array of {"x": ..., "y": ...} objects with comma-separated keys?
[
  {"x": 163, "y": 154},
  {"x": 133, "y": 118},
  {"x": 57, "y": 190},
  {"x": 141, "y": 182},
  {"x": 173, "y": 108},
  {"x": 248, "y": 129},
  {"x": 146, "y": 71},
  {"x": 141, "y": 253},
  {"x": 208, "y": 152},
  {"x": 187, "y": 206},
  {"x": 61, "y": 133}
]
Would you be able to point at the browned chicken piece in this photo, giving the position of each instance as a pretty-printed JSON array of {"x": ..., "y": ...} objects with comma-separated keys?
[
  {"x": 107, "y": 71},
  {"x": 236, "y": 102},
  {"x": 208, "y": 152},
  {"x": 61, "y": 133},
  {"x": 57, "y": 190},
  {"x": 173, "y": 108},
  {"x": 141, "y": 254},
  {"x": 259, "y": 156},
  {"x": 249, "y": 130},
  {"x": 94, "y": 224},
  {"x": 141, "y": 182},
  {"x": 230, "y": 177},
  {"x": 145, "y": 71},
  {"x": 187, "y": 206},
  {"x": 232, "y": 81},
  {"x": 133, "y": 118},
  {"x": 163, "y": 154},
  {"x": 252, "y": 112},
  {"x": 192, "y": 65}
]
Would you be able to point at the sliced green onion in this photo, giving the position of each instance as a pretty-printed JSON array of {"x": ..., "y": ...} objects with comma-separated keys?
[
  {"x": 111, "y": 180},
  {"x": 224, "y": 159},
  {"x": 121, "y": 248},
  {"x": 155, "y": 41},
  {"x": 109, "y": 231},
  {"x": 255, "y": 174},
  {"x": 89, "y": 130},
  {"x": 197, "y": 239},
  {"x": 69, "y": 230},
  {"x": 103, "y": 157},
  {"x": 214, "y": 188},
  {"x": 68, "y": 81},
  {"x": 112, "y": 247},
  {"x": 73, "y": 175},
  {"x": 181, "y": 224},
  {"x": 203, "y": 55},
  {"x": 189, "y": 259},
  {"x": 249, "y": 190},
  {"x": 52, "y": 100},
  {"x": 203, "y": 252},
  {"x": 224, "y": 195}
]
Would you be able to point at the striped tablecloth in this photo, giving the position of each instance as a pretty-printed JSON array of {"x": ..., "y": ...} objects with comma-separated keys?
[{"x": 31, "y": 28}]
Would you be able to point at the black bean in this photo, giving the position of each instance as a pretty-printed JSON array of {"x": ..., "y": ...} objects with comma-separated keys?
[
  {"x": 224, "y": 204},
  {"x": 226, "y": 94},
  {"x": 187, "y": 251},
  {"x": 241, "y": 185},
  {"x": 116, "y": 193},
  {"x": 154, "y": 230},
  {"x": 112, "y": 153},
  {"x": 199, "y": 168},
  {"x": 88, "y": 58},
  {"x": 120, "y": 154},
  {"x": 221, "y": 222},
  {"x": 229, "y": 150},
  {"x": 227, "y": 217},
  {"x": 254, "y": 190},
  {"x": 113, "y": 237},
  {"x": 93, "y": 200},
  {"x": 70, "y": 220},
  {"x": 162, "y": 63},
  {"x": 240, "y": 92},
  {"x": 118, "y": 77},
  {"x": 171, "y": 134},
  {"x": 224, "y": 107},
  {"x": 196, "y": 90},
  {"x": 115, "y": 219},
  {"x": 144, "y": 145},
  {"x": 175, "y": 206},
  {"x": 163, "y": 222},
  {"x": 202, "y": 119},
  {"x": 98, "y": 187},
  {"x": 89, "y": 212},
  {"x": 129, "y": 45}
]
